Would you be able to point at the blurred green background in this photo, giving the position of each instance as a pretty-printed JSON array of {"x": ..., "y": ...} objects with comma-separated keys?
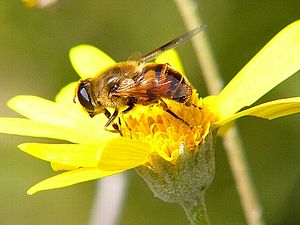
[{"x": 34, "y": 45}]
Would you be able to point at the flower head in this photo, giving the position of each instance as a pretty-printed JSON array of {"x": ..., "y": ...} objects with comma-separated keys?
[{"x": 148, "y": 132}]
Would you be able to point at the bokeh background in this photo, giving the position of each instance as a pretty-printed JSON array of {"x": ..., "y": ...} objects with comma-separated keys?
[{"x": 34, "y": 45}]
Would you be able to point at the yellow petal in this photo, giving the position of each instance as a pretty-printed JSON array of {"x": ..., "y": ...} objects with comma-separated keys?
[
  {"x": 31, "y": 128},
  {"x": 88, "y": 60},
  {"x": 66, "y": 94},
  {"x": 79, "y": 155},
  {"x": 66, "y": 98},
  {"x": 43, "y": 110},
  {"x": 172, "y": 58},
  {"x": 58, "y": 166},
  {"x": 123, "y": 154},
  {"x": 61, "y": 116},
  {"x": 70, "y": 178},
  {"x": 30, "y": 3},
  {"x": 277, "y": 61},
  {"x": 269, "y": 110},
  {"x": 115, "y": 154}
]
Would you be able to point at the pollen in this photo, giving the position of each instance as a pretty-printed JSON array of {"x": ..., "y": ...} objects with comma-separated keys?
[{"x": 166, "y": 133}]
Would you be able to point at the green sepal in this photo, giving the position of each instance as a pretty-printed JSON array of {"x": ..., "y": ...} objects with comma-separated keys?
[{"x": 183, "y": 181}]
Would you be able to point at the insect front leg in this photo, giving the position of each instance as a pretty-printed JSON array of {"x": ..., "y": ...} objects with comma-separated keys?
[{"x": 110, "y": 121}]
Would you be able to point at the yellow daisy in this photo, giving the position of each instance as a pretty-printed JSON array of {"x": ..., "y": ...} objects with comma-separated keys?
[{"x": 90, "y": 152}]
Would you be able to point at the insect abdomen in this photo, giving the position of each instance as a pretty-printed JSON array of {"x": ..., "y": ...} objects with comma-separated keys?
[
  {"x": 168, "y": 83},
  {"x": 180, "y": 90}
]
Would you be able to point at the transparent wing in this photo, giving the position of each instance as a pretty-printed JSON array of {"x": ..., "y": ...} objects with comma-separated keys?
[{"x": 172, "y": 44}]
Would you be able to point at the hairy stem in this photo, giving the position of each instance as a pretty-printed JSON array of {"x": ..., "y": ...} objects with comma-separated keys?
[{"x": 196, "y": 210}]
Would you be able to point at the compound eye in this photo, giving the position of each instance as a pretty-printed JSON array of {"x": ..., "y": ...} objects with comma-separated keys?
[{"x": 84, "y": 97}]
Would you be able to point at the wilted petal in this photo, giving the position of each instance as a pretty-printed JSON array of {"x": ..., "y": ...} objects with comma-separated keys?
[
  {"x": 269, "y": 110},
  {"x": 276, "y": 62},
  {"x": 88, "y": 60},
  {"x": 70, "y": 178}
]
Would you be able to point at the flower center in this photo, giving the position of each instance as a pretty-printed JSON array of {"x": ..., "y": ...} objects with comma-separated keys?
[{"x": 163, "y": 131}]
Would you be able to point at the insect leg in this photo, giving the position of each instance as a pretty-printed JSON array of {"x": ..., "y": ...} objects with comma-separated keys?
[
  {"x": 196, "y": 106},
  {"x": 114, "y": 125},
  {"x": 126, "y": 124},
  {"x": 107, "y": 113},
  {"x": 130, "y": 107},
  {"x": 166, "y": 108},
  {"x": 110, "y": 120}
]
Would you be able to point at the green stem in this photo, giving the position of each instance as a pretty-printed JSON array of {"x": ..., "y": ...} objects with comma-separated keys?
[
  {"x": 195, "y": 210},
  {"x": 232, "y": 143}
]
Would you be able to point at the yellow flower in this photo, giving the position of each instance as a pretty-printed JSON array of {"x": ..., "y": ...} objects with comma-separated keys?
[
  {"x": 90, "y": 152},
  {"x": 39, "y": 3}
]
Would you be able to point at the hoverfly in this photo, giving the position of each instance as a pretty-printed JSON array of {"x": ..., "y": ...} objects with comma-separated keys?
[{"x": 136, "y": 82}]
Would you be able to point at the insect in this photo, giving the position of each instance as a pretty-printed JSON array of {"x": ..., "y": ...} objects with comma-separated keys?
[{"x": 141, "y": 81}]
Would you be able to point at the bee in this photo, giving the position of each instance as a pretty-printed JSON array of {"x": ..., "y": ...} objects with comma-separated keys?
[{"x": 140, "y": 81}]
